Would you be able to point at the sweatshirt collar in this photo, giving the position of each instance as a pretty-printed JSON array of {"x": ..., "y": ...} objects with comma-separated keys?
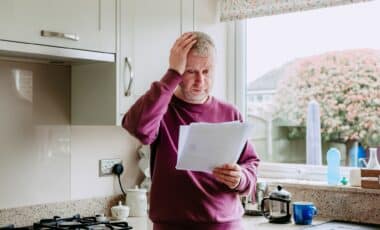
[{"x": 193, "y": 107}]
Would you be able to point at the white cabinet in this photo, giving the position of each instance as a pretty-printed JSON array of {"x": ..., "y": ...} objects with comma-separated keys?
[
  {"x": 79, "y": 24},
  {"x": 148, "y": 28}
]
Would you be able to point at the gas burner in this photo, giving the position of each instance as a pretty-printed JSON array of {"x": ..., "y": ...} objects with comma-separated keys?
[{"x": 77, "y": 222}]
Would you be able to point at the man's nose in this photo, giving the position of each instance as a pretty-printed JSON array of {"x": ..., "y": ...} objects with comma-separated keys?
[{"x": 200, "y": 78}]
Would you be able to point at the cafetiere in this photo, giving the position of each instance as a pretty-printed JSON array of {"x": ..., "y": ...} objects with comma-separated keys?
[{"x": 276, "y": 207}]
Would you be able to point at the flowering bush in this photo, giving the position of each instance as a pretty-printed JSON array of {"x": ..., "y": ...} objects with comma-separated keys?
[{"x": 347, "y": 86}]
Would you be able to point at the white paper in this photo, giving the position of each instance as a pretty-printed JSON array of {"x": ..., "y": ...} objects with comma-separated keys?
[{"x": 204, "y": 146}]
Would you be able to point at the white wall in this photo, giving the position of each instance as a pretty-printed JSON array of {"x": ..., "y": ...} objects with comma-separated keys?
[{"x": 89, "y": 144}]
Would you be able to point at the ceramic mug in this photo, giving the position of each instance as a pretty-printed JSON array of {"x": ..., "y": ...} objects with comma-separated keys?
[{"x": 303, "y": 212}]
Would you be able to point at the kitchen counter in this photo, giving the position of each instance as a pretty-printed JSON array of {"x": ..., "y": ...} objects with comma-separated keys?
[{"x": 249, "y": 222}]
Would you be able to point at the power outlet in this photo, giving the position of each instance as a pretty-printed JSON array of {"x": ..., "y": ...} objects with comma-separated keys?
[{"x": 106, "y": 165}]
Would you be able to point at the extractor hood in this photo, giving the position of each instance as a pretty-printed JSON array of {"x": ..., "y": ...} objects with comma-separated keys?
[{"x": 52, "y": 53}]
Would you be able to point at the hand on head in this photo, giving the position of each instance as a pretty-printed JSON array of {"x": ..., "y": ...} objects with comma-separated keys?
[
  {"x": 228, "y": 174},
  {"x": 179, "y": 51}
]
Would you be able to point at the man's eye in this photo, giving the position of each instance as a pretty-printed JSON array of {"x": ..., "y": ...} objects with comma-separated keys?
[
  {"x": 205, "y": 71},
  {"x": 190, "y": 71}
]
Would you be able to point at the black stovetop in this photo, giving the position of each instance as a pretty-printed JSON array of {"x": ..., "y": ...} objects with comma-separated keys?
[{"x": 75, "y": 222}]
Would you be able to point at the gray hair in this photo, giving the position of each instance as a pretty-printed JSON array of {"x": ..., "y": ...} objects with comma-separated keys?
[{"x": 204, "y": 45}]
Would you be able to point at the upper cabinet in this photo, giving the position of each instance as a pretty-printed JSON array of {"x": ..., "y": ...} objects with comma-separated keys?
[
  {"x": 78, "y": 24},
  {"x": 148, "y": 29}
]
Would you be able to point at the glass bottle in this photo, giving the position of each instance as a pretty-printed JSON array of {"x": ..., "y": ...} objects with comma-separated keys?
[
  {"x": 333, "y": 165},
  {"x": 373, "y": 163}
]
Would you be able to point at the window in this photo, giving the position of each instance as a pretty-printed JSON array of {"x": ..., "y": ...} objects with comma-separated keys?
[{"x": 331, "y": 55}]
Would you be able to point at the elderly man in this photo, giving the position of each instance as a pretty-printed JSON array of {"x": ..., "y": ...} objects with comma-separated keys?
[{"x": 181, "y": 199}]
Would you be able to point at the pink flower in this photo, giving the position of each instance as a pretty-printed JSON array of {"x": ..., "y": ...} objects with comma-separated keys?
[{"x": 345, "y": 83}]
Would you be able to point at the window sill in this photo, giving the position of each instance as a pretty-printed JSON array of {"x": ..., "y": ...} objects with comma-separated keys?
[
  {"x": 317, "y": 185},
  {"x": 297, "y": 171}
]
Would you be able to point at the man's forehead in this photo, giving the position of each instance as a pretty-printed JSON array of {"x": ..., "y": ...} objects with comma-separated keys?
[
  {"x": 195, "y": 55},
  {"x": 205, "y": 52},
  {"x": 200, "y": 61}
]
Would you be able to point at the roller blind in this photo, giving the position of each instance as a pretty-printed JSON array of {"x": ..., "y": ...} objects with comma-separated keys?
[{"x": 241, "y": 9}]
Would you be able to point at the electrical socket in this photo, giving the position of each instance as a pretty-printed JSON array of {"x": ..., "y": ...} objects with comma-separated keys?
[{"x": 106, "y": 165}]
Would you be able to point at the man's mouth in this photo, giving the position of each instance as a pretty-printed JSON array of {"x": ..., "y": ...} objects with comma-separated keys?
[{"x": 197, "y": 90}]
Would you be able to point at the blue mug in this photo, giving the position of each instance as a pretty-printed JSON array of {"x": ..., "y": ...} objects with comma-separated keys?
[{"x": 303, "y": 212}]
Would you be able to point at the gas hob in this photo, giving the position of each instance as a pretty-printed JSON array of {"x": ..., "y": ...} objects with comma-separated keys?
[{"x": 75, "y": 222}]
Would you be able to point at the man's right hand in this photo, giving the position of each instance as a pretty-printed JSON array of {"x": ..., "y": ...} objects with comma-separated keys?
[{"x": 179, "y": 51}]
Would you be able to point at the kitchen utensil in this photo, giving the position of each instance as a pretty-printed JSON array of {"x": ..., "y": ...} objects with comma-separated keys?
[{"x": 277, "y": 206}]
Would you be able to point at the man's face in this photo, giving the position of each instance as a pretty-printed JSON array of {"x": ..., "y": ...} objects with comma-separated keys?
[{"x": 198, "y": 77}]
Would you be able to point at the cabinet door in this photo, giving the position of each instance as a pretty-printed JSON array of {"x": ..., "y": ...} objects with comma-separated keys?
[
  {"x": 92, "y": 21},
  {"x": 148, "y": 30}
]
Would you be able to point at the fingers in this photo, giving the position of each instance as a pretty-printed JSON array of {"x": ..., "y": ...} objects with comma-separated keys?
[
  {"x": 231, "y": 182},
  {"x": 181, "y": 39},
  {"x": 179, "y": 52},
  {"x": 184, "y": 40},
  {"x": 234, "y": 167},
  {"x": 229, "y": 174},
  {"x": 225, "y": 177},
  {"x": 185, "y": 36},
  {"x": 189, "y": 45}
]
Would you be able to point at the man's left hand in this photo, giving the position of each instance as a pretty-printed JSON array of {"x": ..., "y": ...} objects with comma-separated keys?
[{"x": 229, "y": 174}]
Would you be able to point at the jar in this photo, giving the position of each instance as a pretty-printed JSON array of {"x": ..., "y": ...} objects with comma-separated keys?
[
  {"x": 120, "y": 212},
  {"x": 137, "y": 201}
]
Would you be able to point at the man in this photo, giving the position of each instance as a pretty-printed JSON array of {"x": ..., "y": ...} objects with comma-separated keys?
[{"x": 181, "y": 199}]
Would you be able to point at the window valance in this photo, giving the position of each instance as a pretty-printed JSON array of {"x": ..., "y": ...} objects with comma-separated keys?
[{"x": 241, "y": 9}]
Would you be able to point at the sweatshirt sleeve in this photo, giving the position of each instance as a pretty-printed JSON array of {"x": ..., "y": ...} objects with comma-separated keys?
[
  {"x": 143, "y": 118},
  {"x": 248, "y": 162}
]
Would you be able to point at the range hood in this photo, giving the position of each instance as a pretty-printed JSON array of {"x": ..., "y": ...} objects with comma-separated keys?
[{"x": 51, "y": 53}]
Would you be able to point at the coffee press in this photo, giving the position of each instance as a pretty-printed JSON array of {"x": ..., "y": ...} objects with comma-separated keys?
[{"x": 276, "y": 207}]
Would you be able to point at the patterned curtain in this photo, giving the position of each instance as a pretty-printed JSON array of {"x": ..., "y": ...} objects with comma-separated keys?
[{"x": 241, "y": 9}]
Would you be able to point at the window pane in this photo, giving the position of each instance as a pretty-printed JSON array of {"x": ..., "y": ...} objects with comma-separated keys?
[{"x": 330, "y": 55}]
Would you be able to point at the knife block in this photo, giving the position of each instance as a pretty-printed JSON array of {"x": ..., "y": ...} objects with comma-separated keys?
[{"x": 370, "y": 178}]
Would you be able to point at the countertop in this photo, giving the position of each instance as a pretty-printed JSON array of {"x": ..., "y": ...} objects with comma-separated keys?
[{"x": 249, "y": 222}]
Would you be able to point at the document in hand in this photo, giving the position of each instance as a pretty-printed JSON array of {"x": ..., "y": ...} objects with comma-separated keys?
[{"x": 204, "y": 146}]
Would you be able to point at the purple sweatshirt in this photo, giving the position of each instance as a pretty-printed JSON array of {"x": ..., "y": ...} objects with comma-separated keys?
[{"x": 181, "y": 198}]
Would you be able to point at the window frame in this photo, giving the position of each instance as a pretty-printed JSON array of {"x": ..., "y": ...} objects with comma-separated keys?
[{"x": 236, "y": 59}]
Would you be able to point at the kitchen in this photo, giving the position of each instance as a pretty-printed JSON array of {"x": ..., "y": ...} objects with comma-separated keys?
[{"x": 74, "y": 86}]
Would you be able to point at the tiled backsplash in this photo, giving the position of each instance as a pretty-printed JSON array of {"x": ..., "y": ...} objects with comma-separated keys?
[{"x": 26, "y": 216}]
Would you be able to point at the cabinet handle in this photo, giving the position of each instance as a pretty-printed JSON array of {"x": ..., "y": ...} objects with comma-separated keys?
[
  {"x": 45, "y": 33},
  {"x": 128, "y": 92}
]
